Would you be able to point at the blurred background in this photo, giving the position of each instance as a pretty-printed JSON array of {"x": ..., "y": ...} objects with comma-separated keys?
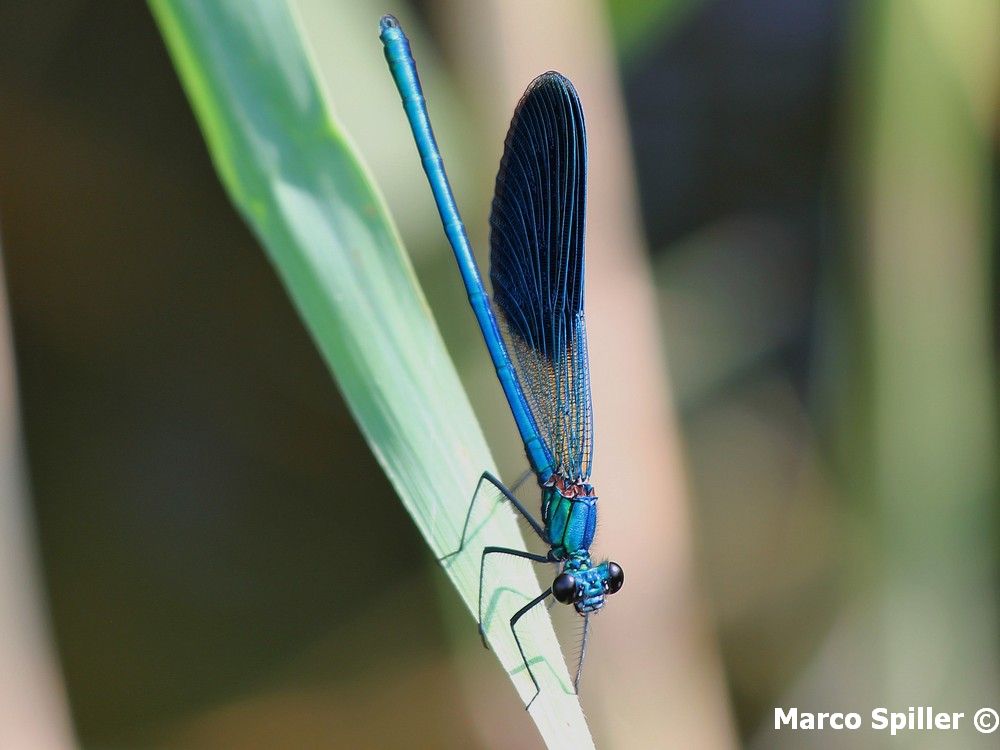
[{"x": 812, "y": 186}]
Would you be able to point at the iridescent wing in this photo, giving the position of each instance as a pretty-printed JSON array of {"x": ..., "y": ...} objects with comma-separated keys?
[{"x": 536, "y": 266}]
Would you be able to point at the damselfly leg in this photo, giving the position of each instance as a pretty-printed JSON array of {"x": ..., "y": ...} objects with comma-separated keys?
[
  {"x": 506, "y": 494},
  {"x": 513, "y": 629},
  {"x": 482, "y": 567}
]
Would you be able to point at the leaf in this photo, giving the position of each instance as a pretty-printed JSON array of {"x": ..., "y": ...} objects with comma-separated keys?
[{"x": 291, "y": 172}]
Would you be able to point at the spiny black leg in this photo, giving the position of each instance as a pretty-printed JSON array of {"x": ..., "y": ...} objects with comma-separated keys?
[
  {"x": 487, "y": 477},
  {"x": 583, "y": 653},
  {"x": 513, "y": 622},
  {"x": 482, "y": 566},
  {"x": 538, "y": 528}
]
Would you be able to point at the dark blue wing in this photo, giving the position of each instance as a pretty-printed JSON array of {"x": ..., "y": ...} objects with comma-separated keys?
[{"x": 536, "y": 266}]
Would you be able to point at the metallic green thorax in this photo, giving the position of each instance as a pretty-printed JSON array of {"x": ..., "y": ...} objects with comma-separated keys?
[{"x": 569, "y": 512}]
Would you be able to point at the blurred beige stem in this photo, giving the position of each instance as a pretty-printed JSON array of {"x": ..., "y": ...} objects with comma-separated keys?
[
  {"x": 653, "y": 675},
  {"x": 33, "y": 712}
]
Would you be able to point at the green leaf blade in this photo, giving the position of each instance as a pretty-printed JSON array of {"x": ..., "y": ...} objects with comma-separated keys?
[{"x": 296, "y": 180}]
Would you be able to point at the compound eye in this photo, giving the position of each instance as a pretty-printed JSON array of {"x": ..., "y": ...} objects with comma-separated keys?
[
  {"x": 564, "y": 588},
  {"x": 616, "y": 577}
]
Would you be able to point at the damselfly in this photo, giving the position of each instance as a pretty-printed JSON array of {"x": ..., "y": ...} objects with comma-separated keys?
[{"x": 536, "y": 269}]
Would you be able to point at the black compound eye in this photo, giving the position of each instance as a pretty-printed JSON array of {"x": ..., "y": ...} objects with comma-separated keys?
[
  {"x": 616, "y": 577},
  {"x": 564, "y": 588}
]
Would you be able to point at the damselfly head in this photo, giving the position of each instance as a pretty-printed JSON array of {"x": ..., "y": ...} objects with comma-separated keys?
[{"x": 586, "y": 587}]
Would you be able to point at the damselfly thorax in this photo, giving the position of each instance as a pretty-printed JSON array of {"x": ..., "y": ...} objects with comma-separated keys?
[{"x": 569, "y": 512}]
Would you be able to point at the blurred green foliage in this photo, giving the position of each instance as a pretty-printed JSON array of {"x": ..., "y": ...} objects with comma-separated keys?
[
  {"x": 818, "y": 183},
  {"x": 637, "y": 24}
]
